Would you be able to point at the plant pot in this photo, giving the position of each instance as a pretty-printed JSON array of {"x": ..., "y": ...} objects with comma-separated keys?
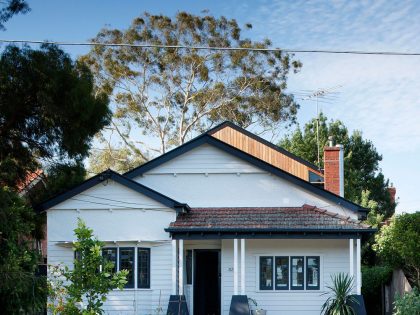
[{"x": 258, "y": 312}]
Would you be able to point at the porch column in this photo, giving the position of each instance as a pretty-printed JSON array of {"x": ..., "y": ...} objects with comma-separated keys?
[
  {"x": 242, "y": 266},
  {"x": 173, "y": 267},
  {"x": 235, "y": 266},
  {"x": 358, "y": 267},
  {"x": 351, "y": 251},
  {"x": 181, "y": 267}
]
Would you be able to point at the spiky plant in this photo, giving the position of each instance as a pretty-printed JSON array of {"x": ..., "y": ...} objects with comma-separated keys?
[{"x": 339, "y": 301}]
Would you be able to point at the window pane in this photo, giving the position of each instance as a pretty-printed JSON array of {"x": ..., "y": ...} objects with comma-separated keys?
[
  {"x": 297, "y": 273},
  {"x": 282, "y": 273},
  {"x": 110, "y": 255},
  {"x": 266, "y": 273},
  {"x": 312, "y": 273},
  {"x": 188, "y": 262},
  {"x": 143, "y": 267},
  {"x": 127, "y": 263}
]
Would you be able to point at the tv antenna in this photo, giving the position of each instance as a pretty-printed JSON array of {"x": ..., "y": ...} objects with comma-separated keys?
[{"x": 326, "y": 95}]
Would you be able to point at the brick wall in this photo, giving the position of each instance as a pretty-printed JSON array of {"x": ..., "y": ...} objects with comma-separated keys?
[{"x": 332, "y": 169}]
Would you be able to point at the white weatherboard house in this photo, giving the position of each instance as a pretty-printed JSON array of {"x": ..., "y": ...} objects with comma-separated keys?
[{"x": 225, "y": 215}]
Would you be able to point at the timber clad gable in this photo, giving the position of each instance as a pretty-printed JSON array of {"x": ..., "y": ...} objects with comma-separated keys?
[{"x": 264, "y": 150}]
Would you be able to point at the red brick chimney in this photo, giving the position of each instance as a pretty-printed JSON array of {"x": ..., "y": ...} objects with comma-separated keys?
[
  {"x": 334, "y": 168},
  {"x": 392, "y": 192}
]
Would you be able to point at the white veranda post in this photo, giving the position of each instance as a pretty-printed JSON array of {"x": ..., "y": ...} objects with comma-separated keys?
[
  {"x": 235, "y": 266},
  {"x": 181, "y": 267},
  {"x": 242, "y": 266},
  {"x": 174, "y": 256}
]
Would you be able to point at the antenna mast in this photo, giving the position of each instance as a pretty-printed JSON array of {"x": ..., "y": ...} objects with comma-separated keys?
[{"x": 321, "y": 93}]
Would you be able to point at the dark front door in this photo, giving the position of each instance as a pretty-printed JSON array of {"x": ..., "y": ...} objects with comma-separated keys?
[{"x": 207, "y": 282}]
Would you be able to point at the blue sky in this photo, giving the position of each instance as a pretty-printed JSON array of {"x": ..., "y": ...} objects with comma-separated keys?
[{"x": 379, "y": 95}]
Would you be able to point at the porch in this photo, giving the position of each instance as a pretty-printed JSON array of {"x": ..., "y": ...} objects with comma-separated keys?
[
  {"x": 286, "y": 270},
  {"x": 231, "y": 267}
]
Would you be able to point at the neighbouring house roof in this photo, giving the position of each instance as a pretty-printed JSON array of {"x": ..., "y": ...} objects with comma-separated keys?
[
  {"x": 29, "y": 180},
  {"x": 258, "y": 222},
  {"x": 208, "y": 139},
  {"x": 109, "y": 174}
]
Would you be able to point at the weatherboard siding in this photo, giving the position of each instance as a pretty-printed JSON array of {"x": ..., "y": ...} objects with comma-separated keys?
[
  {"x": 260, "y": 150},
  {"x": 143, "y": 226},
  {"x": 214, "y": 178},
  {"x": 334, "y": 258},
  {"x": 131, "y": 301}
]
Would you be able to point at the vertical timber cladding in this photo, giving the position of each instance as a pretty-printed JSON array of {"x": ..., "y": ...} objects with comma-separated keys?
[{"x": 264, "y": 152}]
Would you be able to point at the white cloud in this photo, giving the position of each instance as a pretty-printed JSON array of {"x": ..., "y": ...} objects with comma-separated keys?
[{"x": 380, "y": 94}]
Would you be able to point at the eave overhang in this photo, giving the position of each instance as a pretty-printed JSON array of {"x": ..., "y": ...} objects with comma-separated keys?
[{"x": 256, "y": 233}]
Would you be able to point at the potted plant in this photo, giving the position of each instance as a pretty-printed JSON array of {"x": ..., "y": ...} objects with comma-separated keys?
[
  {"x": 339, "y": 303},
  {"x": 257, "y": 311}
]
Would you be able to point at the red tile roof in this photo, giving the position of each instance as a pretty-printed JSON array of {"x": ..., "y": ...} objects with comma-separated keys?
[
  {"x": 305, "y": 217},
  {"x": 30, "y": 177}
]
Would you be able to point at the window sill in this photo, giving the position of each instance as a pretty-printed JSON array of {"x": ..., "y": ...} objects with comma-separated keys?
[
  {"x": 133, "y": 289},
  {"x": 291, "y": 291}
]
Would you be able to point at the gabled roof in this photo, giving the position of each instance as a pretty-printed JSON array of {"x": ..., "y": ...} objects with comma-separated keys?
[
  {"x": 208, "y": 139},
  {"x": 109, "y": 174}
]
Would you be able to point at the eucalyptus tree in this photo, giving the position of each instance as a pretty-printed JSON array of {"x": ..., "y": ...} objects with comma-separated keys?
[{"x": 167, "y": 95}]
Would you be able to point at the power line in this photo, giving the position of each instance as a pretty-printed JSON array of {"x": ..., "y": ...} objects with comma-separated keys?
[
  {"x": 288, "y": 50},
  {"x": 114, "y": 200}
]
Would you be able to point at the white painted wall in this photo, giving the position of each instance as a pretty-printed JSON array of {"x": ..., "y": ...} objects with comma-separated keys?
[
  {"x": 203, "y": 177},
  {"x": 334, "y": 258},
  {"x": 131, "y": 301},
  {"x": 124, "y": 225},
  {"x": 209, "y": 177}
]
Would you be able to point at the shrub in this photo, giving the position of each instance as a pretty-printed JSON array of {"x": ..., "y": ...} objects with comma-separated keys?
[
  {"x": 372, "y": 279},
  {"x": 339, "y": 301},
  {"x": 408, "y": 304}
]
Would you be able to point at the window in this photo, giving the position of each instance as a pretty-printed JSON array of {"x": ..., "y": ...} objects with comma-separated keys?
[
  {"x": 189, "y": 265},
  {"x": 289, "y": 273},
  {"x": 143, "y": 268},
  {"x": 110, "y": 255},
  {"x": 297, "y": 273},
  {"x": 312, "y": 273},
  {"x": 282, "y": 273},
  {"x": 266, "y": 273},
  {"x": 127, "y": 263}
]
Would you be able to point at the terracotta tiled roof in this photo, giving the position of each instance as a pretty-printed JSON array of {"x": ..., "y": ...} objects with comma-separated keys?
[
  {"x": 305, "y": 217},
  {"x": 30, "y": 177}
]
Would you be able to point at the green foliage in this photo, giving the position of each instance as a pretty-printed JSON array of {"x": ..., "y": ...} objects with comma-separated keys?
[
  {"x": 171, "y": 94},
  {"x": 362, "y": 174},
  {"x": 20, "y": 289},
  {"x": 10, "y": 8},
  {"x": 408, "y": 304},
  {"x": 398, "y": 245},
  {"x": 119, "y": 160},
  {"x": 48, "y": 110},
  {"x": 338, "y": 302},
  {"x": 83, "y": 289},
  {"x": 373, "y": 278}
]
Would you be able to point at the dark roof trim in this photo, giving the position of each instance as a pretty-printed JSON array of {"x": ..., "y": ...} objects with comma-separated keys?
[
  {"x": 265, "y": 230},
  {"x": 205, "y": 138},
  {"x": 109, "y": 174},
  {"x": 265, "y": 142},
  {"x": 221, "y": 233}
]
